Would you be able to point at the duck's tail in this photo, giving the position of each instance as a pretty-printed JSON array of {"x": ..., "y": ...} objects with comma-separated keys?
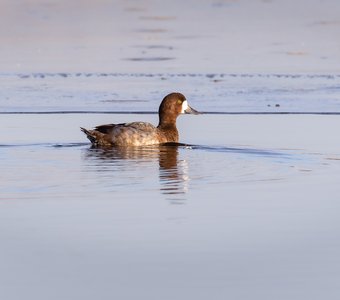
[
  {"x": 91, "y": 135},
  {"x": 97, "y": 138}
]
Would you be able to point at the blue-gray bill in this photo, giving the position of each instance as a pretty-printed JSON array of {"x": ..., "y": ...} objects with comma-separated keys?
[{"x": 192, "y": 111}]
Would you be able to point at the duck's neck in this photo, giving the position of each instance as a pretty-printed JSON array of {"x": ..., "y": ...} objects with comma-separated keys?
[
  {"x": 167, "y": 120},
  {"x": 167, "y": 126},
  {"x": 169, "y": 130}
]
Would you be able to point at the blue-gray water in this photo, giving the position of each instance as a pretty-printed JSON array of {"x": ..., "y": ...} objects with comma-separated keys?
[
  {"x": 112, "y": 92},
  {"x": 246, "y": 208}
]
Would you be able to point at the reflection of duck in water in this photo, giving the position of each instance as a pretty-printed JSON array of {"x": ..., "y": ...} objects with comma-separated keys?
[
  {"x": 142, "y": 133},
  {"x": 172, "y": 172}
]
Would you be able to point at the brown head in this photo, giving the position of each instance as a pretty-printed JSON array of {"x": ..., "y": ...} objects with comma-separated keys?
[{"x": 171, "y": 107}]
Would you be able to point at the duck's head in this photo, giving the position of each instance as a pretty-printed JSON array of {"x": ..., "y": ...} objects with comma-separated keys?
[{"x": 172, "y": 106}]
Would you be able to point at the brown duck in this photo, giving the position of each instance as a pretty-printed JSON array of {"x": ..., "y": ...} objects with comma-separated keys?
[{"x": 142, "y": 133}]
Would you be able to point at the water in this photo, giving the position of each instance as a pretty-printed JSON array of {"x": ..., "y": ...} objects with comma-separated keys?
[
  {"x": 245, "y": 208},
  {"x": 75, "y": 170},
  {"x": 247, "y": 200},
  {"x": 215, "y": 92}
]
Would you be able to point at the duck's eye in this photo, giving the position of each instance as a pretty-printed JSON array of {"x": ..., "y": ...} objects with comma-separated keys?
[{"x": 179, "y": 101}]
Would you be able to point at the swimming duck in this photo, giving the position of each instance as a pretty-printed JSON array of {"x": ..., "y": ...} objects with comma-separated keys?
[{"x": 142, "y": 133}]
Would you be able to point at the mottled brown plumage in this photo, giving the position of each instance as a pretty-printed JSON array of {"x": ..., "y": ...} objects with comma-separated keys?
[{"x": 142, "y": 133}]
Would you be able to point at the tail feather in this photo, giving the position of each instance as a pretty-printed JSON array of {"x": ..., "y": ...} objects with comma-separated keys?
[{"x": 92, "y": 137}]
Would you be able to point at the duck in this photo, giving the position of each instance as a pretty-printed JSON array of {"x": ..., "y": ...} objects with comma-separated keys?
[{"x": 143, "y": 133}]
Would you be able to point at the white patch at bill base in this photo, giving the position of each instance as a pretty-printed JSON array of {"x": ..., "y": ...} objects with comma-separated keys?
[{"x": 184, "y": 106}]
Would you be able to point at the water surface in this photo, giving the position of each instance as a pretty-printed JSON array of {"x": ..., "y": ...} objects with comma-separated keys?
[
  {"x": 245, "y": 200},
  {"x": 247, "y": 208}
]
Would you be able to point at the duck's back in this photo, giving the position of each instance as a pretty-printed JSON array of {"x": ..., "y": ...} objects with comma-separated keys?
[{"x": 131, "y": 134}]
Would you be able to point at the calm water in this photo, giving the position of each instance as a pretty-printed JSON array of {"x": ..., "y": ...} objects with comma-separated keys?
[
  {"x": 248, "y": 208},
  {"x": 248, "y": 201},
  {"x": 215, "y": 92}
]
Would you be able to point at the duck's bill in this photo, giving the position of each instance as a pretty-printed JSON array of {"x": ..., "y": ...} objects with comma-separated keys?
[{"x": 190, "y": 110}]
